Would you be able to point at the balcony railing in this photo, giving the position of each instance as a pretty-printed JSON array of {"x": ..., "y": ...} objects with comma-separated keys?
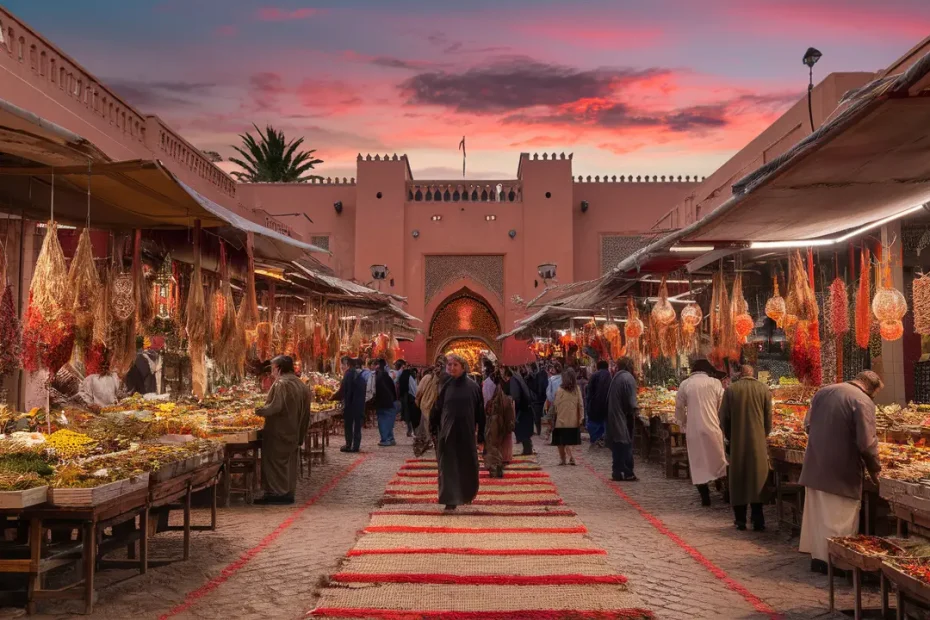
[
  {"x": 449, "y": 191},
  {"x": 171, "y": 145},
  {"x": 46, "y": 67}
]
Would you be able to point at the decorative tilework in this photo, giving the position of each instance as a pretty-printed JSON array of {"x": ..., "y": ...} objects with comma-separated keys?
[
  {"x": 320, "y": 241},
  {"x": 486, "y": 270},
  {"x": 614, "y": 248}
]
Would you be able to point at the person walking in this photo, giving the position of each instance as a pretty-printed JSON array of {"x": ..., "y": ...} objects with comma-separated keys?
[
  {"x": 287, "y": 418},
  {"x": 598, "y": 390},
  {"x": 696, "y": 405},
  {"x": 452, "y": 425},
  {"x": 841, "y": 439},
  {"x": 406, "y": 394},
  {"x": 427, "y": 393},
  {"x": 500, "y": 426},
  {"x": 385, "y": 404},
  {"x": 515, "y": 387},
  {"x": 567, "y": 416},
  {"x": 622, "y": 409},
  {"x": 352, "y": 394},
  {"x": 538, "y": 384},
  {"x": 746, "y": 421}
]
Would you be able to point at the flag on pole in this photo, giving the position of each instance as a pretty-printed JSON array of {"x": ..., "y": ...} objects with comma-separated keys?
[{"x": 462, "y": 148}]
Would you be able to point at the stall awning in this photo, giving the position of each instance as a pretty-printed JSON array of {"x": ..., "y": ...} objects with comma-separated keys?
[
  {"x": 134, "y": 194},
  {"x": 352, "y": 293},
  {"x": 32, "y": 138}
]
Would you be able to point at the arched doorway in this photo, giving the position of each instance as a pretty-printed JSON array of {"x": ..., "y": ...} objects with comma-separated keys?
[{"x": 466, "y": 322}]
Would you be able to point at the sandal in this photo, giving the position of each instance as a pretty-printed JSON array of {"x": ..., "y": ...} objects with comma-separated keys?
[{"x": 572, "y": 462}]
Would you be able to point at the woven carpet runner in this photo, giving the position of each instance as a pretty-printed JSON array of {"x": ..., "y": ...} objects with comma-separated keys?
[{"x": 493, "y": 559}]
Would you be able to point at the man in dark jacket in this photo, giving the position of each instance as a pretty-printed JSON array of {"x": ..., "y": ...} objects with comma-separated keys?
[
  {"x": 539, "y": 384},
  {"x": 622, "y": 410},
  {"x": 515, "y": 387},
  {"x": 598, "y": 388},
  {"x": 385, "y": 397},
  {"x": 352, "y": 394}
]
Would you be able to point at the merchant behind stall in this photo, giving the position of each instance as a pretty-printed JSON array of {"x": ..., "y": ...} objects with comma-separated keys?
[
  {"x": 841, "y": 438},
  {"x": 287, "y": 416}
]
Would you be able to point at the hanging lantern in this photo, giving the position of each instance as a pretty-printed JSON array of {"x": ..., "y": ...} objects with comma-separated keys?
[
  {"x": 691, "y": 317},
  {"x": 891, "y": 330},
  {"x": 663, "y": 313},
  {"x": 743, "y": 325},
  {"x": 889, "y": 304},
  {"x": 775, "y": 306},
  {"x": 634, "y": 328}
]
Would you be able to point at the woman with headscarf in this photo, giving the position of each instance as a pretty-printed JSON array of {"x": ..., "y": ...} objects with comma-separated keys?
[
  {"x": 452, "y": 425},
  {"x": 696, "y": 406},
  {"x": 567, "y": 416},
  {"x": 501, "y": 420}
]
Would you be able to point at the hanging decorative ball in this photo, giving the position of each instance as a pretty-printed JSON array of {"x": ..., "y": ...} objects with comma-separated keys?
[
  {"x": 691, "y": 316},
  {"x": 891, "y": 330},
  {"x": 743, "y": 325},
  {"x": 634, "y": 328},
  {"x": 889, "y": 304},
  {"x": 775, "y": 307}
]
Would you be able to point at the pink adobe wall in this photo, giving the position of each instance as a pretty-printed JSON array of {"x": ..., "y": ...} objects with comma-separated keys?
[
  {"x": 547, "y": 221},
  {"x": 616, "y": 208},
  {"x": 316, "y": 200},
  {"x": 775, "y": 140}
]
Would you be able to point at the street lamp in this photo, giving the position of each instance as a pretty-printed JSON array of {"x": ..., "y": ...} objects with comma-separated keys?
[
  {"x": 811, "y": 56},
  {"x": 547, "y": 271},
  {"x": 378, "y": 272}
]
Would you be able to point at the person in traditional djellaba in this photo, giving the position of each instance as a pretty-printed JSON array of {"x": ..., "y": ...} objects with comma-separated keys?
[
  {"x": 746, "y": 420},
  {"x": 501, "y": 421},
  {"x": 841, "y": 443},
  {"x": 452, "y": 425},
  {"x": 287, "y": 417},
  {"x": 515, "y": 387},
  {"x": 696, "y": 407}
]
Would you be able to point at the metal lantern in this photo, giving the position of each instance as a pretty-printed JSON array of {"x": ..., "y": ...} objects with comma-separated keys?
[
  {"x": 634, "y": 328},
  {"x": 663, "y": 312},
  {"x": 889, "y": 304}
]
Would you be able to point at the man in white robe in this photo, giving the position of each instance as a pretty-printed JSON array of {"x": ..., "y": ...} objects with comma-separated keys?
[
  {"x": 841, "y": 439},
  {"x": 696, "y": 406}
]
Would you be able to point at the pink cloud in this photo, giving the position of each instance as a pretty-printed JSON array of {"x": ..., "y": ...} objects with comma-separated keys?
[
  {"x": 275, "y": 14},
  {"x": 227, "y": 31},
  {"x": 833, "y": 18}
]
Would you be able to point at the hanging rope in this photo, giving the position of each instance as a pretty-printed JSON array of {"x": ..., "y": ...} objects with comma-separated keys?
[{"x": 88, "y": 194}]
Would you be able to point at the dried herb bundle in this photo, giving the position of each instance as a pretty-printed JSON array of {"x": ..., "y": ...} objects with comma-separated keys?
[
  {"x": 10, "y": 329},
  {"x": 863, "y": 303},
  {"x": 801, "y": 302},
  {"x": 229, "y": 345},
  {"x": 49, "y": 289},
  {"x": 196, "y": 312},
  {"x": 84, "y": 289},
  {"x": 839, "y": 307}
]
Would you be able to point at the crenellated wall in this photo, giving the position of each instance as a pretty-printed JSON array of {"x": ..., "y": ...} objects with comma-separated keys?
[{"x": 487, "y": 237}]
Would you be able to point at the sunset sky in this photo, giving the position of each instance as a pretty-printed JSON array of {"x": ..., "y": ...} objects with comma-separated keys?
[{"x": 658, "y": 86}]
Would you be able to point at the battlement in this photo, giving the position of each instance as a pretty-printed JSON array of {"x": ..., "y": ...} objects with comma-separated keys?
[{"x": 639, "y": 179}]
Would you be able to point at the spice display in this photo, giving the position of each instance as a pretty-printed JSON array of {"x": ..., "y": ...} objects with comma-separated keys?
[
  {"x": 775, "y": 306},
  {"x": 68, "y": 445},
  {"x": 874, "y": 546},
  {"x": 11, "y": 481}
]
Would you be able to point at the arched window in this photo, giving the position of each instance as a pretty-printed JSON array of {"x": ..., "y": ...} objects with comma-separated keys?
[
  {"x": 110, "y": 115},
  {"x": 43, "y": 63},
  {"x": 62, "y": 77},
  {"x": 10, "y": 40},
  {"x": 34, "y": 58},
  {"x": 53, "y": 71},
  {"x": 78, "y": 88},
  {"x": 21, "y": 51}
]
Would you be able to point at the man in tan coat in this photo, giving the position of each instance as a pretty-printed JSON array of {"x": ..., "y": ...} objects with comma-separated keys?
[
  {"x": 287, "y": 418},
  {"x": 746, "y": 420}
]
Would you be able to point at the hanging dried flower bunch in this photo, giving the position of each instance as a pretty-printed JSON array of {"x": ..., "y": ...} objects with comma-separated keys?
[
  {"x": 634, "y": 325},
  {"x": 196, "y": 325},
  {"x": 801, "y": 301},
  {"x": 863, "y": 309},
  {"x": 775, "y": 307},
  {"x": 10, "y": 330},
  {"x": 142, "y": 291},
  {"x": 739, "y": 309},
  {"x": 248, "y": 307},
  {"x": 83, "y": 288},
  {"x": 839, "y": 307},
  {"x": 921, "y": 302},
  {"x": 662, "y": 311},
  {"x": 263, "y": 340},
  {"x": 723, "y": 334},
  {"x": 48, "y": 333},
  {"x": 229, "y": 344}
]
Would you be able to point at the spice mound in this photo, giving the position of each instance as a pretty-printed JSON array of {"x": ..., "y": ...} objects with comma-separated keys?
[{"x": 869, "y": 545}]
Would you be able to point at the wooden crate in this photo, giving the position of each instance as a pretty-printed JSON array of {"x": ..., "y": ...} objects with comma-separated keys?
[
  {"x": 23, "y": 499},
  {"x": 97, "y": 495},
  {"x": 246, "y": 436},
  {"x": 179, "y": 468}
]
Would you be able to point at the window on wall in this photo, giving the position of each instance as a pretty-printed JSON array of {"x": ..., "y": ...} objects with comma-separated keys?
[{"x": 320, "y": 241}]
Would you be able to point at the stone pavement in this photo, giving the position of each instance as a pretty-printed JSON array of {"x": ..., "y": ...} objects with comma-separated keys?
[{"x": 684, "y": 561}]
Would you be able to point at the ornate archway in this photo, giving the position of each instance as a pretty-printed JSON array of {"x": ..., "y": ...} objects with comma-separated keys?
[{"x": 463, "y": 317}]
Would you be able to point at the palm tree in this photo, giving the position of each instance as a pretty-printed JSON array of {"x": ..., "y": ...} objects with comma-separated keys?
[{"x": 274, "y": 160}]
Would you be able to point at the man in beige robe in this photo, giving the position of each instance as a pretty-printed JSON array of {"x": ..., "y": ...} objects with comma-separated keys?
[{"x": 287, "y": 418}]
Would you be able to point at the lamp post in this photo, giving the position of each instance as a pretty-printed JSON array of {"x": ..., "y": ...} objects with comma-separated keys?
[{"x": 811, "y": 56}]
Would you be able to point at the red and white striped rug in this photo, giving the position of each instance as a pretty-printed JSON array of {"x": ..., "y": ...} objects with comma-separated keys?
[{"x": 493, "y": 559}]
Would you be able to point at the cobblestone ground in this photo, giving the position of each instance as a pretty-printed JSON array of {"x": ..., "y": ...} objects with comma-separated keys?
[{"x": 269, "y": 562}]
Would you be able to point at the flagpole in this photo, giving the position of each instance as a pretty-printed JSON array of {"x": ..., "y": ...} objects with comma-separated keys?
[{"x": 462, "y": 148}]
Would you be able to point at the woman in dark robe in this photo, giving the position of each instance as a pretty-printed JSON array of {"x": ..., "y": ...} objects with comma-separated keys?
[
  {"x": 500, "y": 424},
  {"x": 452, "y": 424},
  {"x": 517, "y": 390}
]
